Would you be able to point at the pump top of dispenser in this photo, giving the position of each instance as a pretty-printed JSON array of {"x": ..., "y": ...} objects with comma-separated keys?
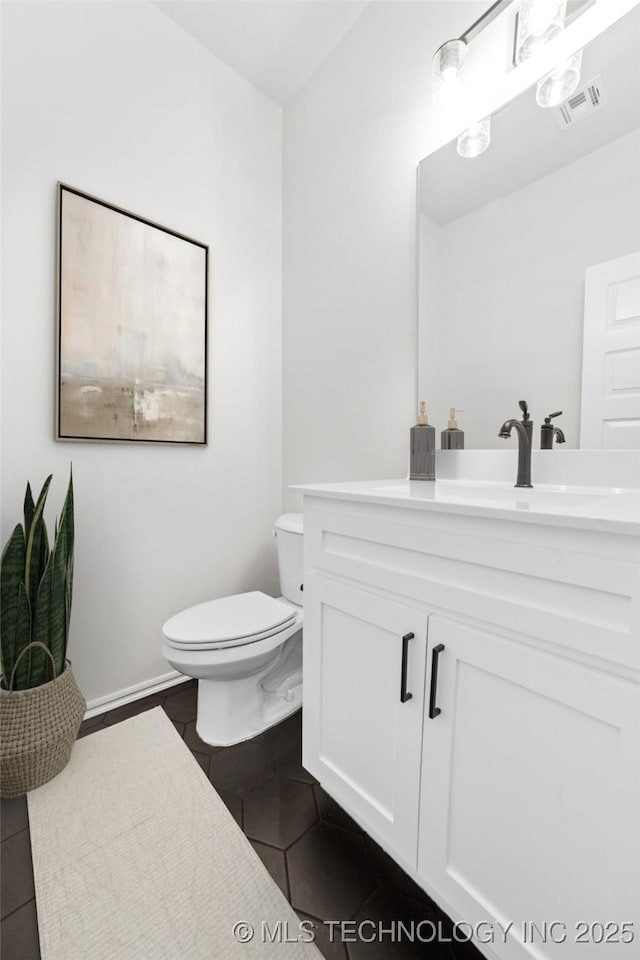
[
  {"x": 524, "y": 406},
  {"x": 452, "y": 438},
  {"x": 452, "y": 423},
  {"x": 423, "y": 420}
]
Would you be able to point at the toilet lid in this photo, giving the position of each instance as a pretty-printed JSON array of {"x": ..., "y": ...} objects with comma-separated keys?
[{"x": 241, "y": 617}]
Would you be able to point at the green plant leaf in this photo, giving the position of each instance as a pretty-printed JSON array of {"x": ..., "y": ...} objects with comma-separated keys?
[
  {"x": 11, "y": 577},
  {"x": 22, "y": 679},
  {"x": 70, "y": 552},
  {"x": 44, "y": 540},
  {"x": 53, "y": 603},
  {"x": 44, "y": 548},
  {"x": 29, "y": 510},
  {"x": 37, "y": 546},
  {"x": 40, "y": 626},
  {"x": 63, "y": 582},
  {"x": 42, "y": 496},
  {"x": 68, "y": 595}
]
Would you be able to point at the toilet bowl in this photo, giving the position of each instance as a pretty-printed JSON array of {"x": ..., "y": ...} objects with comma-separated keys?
[{"x": 245, "y": 650}]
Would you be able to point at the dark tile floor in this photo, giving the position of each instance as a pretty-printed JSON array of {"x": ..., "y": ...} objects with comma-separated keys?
[{"x": 326, "y": 866}]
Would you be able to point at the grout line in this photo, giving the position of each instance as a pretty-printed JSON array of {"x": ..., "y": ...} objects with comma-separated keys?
[
  {"x": 265, "y": 843},
  {"x": 17, "y": 832},
  {"x": 15, "y": 910},
  {"x": 286, "y": 875},
  {"x": 315, "y": 800},
  {"x": 312, "y": 916},
  {"x": 378, "y": 889}
]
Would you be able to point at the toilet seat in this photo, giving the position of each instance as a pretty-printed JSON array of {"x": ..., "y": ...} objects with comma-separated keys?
[{"x": 238, "y": 620}]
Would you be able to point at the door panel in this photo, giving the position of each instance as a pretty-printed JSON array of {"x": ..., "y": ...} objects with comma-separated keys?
[
  {"x": 610, "y": 416},
  {"x": 554, "y": 746},
  {"x": 360, "y": 740}
]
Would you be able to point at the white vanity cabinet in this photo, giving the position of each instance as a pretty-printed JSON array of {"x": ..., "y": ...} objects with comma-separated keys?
[
  {"x": 509, "y": 787},
  {"x": 363, "y": 719}
]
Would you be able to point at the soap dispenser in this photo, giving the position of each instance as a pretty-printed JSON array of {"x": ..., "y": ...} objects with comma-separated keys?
[
  {"x": 452, "y": 438},
  {"x": 422, "y": 465}
]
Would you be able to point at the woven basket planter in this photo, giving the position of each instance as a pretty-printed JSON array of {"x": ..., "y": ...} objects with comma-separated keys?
[{"x": 38, "y": 728}]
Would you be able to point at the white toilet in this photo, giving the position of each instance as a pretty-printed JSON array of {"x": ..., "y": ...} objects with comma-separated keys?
[{"x": 245, "y": 650}]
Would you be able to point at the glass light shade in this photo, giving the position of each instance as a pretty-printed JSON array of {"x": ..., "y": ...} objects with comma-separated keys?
[
  {"x": 558, "y": 85},
  {"x": 448, "y": 62},
  {"x": 539, "y": 14},
  {"x": 539, "y": 21},
  {"x": 475, "y": 140}
]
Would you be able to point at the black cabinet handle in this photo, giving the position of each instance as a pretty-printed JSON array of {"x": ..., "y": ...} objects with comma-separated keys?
[
  {"x": 433, "y": 710},
  {"x": 404, "y": 696}
]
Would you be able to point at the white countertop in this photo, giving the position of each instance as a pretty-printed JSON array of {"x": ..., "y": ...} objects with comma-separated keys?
[{"x": 609, "y": 509}]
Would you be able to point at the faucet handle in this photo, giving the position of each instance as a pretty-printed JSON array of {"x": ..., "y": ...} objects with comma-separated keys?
[
  {"x": 552, "y": 416},
  {"x": 524, "y": 406}
]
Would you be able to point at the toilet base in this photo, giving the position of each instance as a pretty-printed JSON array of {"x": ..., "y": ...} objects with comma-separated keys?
[
  {"x": 230, "y": 711},
  {"x": 216, "y": 734}
]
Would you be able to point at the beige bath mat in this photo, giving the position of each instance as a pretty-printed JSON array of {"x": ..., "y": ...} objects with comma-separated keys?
[{"x": 136, "y": 857}]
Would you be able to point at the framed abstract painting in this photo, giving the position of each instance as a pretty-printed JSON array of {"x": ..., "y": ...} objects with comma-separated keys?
[{"x": 132, "y": 327}]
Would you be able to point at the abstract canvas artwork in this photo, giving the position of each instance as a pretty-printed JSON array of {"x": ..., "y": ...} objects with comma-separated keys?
[{"x": 132, "y": 327}]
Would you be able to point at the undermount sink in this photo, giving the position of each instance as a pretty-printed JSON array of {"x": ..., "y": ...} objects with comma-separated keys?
[{"x": 542, "y": 496}]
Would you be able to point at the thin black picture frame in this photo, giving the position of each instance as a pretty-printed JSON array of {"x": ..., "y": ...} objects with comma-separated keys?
[{"x": 119, "y": 263}]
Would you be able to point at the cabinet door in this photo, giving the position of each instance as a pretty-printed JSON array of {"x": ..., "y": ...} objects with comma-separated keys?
[
  {"x": 362, "y": 728},
  {"x": 530, "y": 795}
]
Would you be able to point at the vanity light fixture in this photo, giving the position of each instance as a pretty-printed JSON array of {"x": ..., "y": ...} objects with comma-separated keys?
[
  {"x": 475, "y": 140},
  {"x": 539, "y": 21},
  {"x": 558, "y": 85},
  {"x": 448, "y": 62}
]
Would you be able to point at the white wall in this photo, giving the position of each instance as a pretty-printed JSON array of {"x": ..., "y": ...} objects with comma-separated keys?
[
  {"x": 352, "y": 141},
  {"x": 514, "y": 328},
  {"x": 116, "y": 100}
]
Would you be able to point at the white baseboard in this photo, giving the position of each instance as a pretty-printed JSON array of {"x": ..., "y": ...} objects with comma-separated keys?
[{"x": 121, "y": 697}]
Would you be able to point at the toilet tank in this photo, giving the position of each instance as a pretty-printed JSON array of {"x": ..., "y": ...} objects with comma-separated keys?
[{"x": 290, "y": 558}]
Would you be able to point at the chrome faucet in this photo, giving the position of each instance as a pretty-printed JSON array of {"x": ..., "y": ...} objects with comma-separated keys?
[{"x": 524, "y": 451}]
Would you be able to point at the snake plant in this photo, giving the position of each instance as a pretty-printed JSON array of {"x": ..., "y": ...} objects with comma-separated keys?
[{"x": 35, "y": 593}]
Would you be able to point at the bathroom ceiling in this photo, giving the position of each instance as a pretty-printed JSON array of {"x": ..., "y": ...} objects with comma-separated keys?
[{"x": 275, "y": 44}]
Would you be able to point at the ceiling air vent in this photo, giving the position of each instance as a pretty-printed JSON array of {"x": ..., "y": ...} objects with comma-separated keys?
[{"x": 587, "y": 98}]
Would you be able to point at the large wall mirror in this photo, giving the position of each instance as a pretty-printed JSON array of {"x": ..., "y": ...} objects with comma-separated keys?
[{"x": 518, "y": 243}]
